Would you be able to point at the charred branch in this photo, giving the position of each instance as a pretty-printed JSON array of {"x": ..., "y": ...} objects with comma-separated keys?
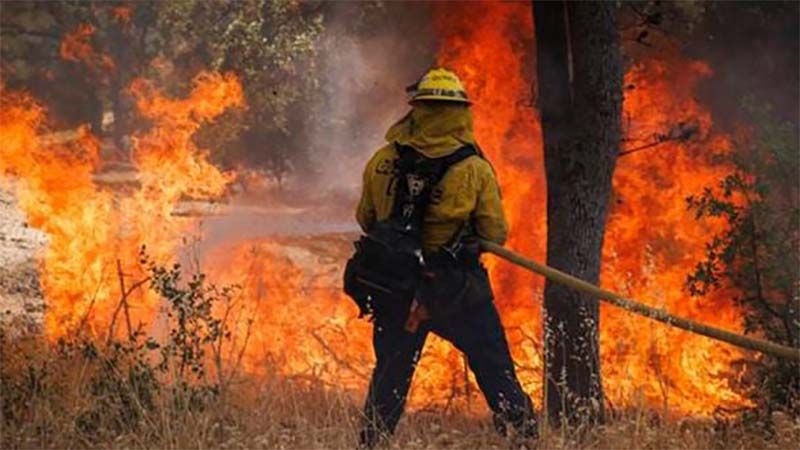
[
  {"x": 123, "y": 304},
  {"x": 682, "y": 132}
]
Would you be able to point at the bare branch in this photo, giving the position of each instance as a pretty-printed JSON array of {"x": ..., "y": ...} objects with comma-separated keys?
[
  {"x": 682, "y": 132},
  {"x": 123, "y": 304},
  {"x": 336, "y": 358}
]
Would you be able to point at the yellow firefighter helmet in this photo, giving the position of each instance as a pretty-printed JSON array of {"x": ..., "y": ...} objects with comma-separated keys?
[{"x": 439, "y": 84}]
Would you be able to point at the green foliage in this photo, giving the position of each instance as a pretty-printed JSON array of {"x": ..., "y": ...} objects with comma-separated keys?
[
  {"x": 191, "y": 311},
  {"x": 270, "y": 45},
  {"x": 123, "y": 388},
  {"x": 759, "y": 252}
]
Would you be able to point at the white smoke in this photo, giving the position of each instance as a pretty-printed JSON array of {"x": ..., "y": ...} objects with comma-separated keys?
[
  {"x": 363, "y": 72},
  {"x": 363, "y": 76}
]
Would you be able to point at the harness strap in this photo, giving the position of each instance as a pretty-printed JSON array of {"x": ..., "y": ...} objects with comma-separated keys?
[{"x": 416, "y": 177}]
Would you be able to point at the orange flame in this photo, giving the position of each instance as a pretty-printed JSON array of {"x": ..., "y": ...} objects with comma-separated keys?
[
  {"x": 652, "y": 240},
  {"x": 122, "y": 14},
  {"x": 66, "y": 207},
  {"x": 89, "y": 228},
  {"x": 76, "y": 46}
]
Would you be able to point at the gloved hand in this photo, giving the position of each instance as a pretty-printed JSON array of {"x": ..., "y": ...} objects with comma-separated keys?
[{"x": 417, "y": 314}]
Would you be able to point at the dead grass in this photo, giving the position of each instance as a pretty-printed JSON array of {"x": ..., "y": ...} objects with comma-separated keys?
[
  {"x": 112, "y": 394},
  {"x": 277, "y": 413}
]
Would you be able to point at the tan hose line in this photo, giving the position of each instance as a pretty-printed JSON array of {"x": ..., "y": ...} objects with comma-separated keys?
[{"x": 635, "y": 307}]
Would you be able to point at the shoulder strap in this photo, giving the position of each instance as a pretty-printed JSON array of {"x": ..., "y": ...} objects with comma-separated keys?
[
  {"x": 458, "y": 156},
  {"x": 416, "y": 175}
]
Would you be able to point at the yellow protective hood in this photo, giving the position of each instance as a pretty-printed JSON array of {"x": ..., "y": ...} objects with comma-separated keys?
[{"x": 435, "y": 130}]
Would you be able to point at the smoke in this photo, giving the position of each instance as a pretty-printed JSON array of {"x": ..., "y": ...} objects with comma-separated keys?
[
  {"x": 754, "y": 51},
  {"x": 364, "y": 68},
  {"x": 367, "y": 55}
]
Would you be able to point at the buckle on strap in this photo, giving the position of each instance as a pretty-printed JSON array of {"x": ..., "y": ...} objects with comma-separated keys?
[{"x": 454, "y": 249}]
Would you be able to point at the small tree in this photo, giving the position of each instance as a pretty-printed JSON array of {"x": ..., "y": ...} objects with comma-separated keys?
[{"x": 759, "y": 253}]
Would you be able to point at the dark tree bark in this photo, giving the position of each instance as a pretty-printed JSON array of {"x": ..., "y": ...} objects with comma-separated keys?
[{"x": 580, "y": 100}]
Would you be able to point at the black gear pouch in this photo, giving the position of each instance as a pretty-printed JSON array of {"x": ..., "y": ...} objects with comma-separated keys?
[
  {"x": 452, "y": 283},
  {"x": 384, "y": 271}
]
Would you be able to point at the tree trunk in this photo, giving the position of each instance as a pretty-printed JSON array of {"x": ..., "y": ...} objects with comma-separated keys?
[{"x": 580, "y": 100}]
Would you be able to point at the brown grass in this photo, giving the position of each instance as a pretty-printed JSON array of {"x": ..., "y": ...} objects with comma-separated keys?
[{"x": 278, "y": 413}]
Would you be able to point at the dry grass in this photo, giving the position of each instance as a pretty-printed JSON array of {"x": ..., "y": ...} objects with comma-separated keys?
[
  {"x": 114, "y": 394},
  {"x": 279, "y": 413}
]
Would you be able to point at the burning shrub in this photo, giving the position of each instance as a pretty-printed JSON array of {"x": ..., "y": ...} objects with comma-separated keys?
[
  {"x": 759, "y": 253},
  {"x": 141, "y": 383}
]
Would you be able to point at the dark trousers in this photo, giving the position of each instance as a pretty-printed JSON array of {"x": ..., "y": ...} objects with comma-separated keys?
[{"x": 478, "y": 333}]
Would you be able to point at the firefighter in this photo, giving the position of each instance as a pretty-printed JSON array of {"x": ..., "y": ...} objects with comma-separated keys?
[{"x": 463, "y": 206}]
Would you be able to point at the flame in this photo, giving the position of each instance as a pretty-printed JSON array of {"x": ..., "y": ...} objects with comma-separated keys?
[
  {"x": 90, "y": 228},
  {"x": 651, "y": 243},
  {"x": 122, "y": 14},
  {"x": 651, "y": 240},
  {"x": 486, "y": 45},
  {"x": 169, "y": 162},
  {"x": 76, "y": 46}
]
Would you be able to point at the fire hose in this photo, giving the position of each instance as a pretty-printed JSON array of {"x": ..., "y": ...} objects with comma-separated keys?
[{"x": 759, "y": 345}]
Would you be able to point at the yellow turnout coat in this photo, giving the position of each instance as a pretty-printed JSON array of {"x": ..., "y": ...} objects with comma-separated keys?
[{"x": 468, "y": 189}]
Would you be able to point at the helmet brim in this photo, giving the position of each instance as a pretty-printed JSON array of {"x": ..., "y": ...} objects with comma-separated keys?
[{"x": 439, "y": 98}]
